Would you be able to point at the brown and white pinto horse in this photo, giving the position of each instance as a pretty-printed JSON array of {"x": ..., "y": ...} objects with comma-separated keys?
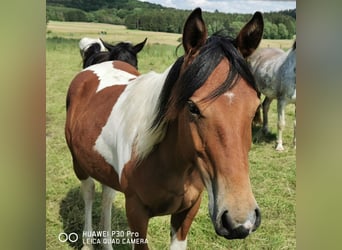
[{"x": 162, "y": 138}]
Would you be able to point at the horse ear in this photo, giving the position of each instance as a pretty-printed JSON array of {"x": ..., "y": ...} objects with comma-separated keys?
[
  {"x": 107, "y": 45},
  {"x": 194, "y": 32},
  {"x": 250, "y": 35},
  {"x": 137, "y": 48}
]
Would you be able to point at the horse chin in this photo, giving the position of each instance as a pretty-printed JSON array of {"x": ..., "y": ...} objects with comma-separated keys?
[
  {"x": 239, "y": 232},
  {"x": 226, "y": 228}
]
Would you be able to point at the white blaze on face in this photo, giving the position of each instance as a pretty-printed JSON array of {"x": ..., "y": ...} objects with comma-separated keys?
[{"x": 230, "y": 96}]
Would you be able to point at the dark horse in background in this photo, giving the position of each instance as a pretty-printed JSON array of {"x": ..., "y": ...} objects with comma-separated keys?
[
  {"x": 162, "y": 138},
  {"x": 95, "y": 51}
]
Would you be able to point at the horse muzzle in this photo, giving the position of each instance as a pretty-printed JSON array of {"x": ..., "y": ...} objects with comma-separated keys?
[{"x": 225, "y": 226}]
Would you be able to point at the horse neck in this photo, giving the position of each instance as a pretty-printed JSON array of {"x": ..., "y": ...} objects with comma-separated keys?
[
  {"x": 170, "y": 154},
  {"x": 291, "y": 56},
  {"x": 163, "y": 146},
  {"x": 288, "y": 60}
]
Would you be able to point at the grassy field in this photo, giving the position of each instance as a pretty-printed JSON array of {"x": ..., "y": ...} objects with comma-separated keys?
[
  {"x": 273, "y": 174},
  {"x": 116, "y": 33}
]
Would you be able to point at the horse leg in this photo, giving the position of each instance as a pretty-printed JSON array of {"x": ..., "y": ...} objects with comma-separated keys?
[
  {"x": 137, "y": 217},
  {"x": 180, "y": 225},
  {"x": 281, "y": 123},
  {"x": 265, "y": 107},
  {"x": 88, "y": 193},
  {"x": 294, "y": 130},
  {"x": 257, "y": 116},
  {"x": 108, "y": 195}
]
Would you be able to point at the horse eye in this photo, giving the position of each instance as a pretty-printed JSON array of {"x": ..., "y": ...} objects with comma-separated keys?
[{"x": 193, "y": 108}]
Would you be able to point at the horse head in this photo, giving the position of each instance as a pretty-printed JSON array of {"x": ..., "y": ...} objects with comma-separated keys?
[
  {"x": 210, "y": 97},
  {"x": 123, "y": 51}
]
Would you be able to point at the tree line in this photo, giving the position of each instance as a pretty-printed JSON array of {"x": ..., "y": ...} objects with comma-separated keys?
[{"x": 153, "y": 17}]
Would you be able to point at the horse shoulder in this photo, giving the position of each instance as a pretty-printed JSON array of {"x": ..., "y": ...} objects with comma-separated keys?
[
  {"x": 88, "y": 112},
  {"x": 126, "y": 67},
  {"x": 81, "y": 88},
  {"x": 88, "y": 108},
  {"x": 170, "y": 195}
]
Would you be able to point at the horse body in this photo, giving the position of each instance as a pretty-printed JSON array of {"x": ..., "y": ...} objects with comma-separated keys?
[
  {"x": 275, "y": 75},
  {"x": 162, "y": 138}
]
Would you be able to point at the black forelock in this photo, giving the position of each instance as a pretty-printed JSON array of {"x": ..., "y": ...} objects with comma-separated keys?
[{"x": 216, "y": 48}]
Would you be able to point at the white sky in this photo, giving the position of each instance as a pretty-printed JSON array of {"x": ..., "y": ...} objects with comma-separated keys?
[{"x": 229, "y": 6}]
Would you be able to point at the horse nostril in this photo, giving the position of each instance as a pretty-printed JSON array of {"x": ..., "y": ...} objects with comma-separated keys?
[
  {"x": 257, "y": 219},
  {"x": 226, "y": 221}
]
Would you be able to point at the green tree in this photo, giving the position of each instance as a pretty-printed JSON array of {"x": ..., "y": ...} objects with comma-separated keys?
[
  {"x": 235, "y": 27},
  {"x": 75, "y": 15},
  {"x": 291, "y": 27},
  {"x": 282, "y": 31},
  {"x": 215, "y": 26},
  {"x": 274, "y": 31},
  {"x": 267, "y": 30}
]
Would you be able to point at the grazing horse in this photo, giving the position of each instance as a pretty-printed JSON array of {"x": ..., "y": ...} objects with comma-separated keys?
[
  {"x": 162, "y": 138},
  {"x": 275, "y": 75},
  {"x": 123, "y": 51}
]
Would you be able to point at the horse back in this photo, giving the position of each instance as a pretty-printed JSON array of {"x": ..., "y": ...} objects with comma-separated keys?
[
  {"x": 265, "y": 56},
  {"x": 264, "y": 64},
  {"x": 95, "y": 90}
]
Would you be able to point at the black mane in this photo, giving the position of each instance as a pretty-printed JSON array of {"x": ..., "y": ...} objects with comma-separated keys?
[{"x": 216, "y": 48}]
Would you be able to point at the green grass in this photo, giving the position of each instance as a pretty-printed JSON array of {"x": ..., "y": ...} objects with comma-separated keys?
[{"x": 273, "y": 174}]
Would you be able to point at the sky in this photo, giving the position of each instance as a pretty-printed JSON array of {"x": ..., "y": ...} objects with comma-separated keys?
[{"x": 229, "y": 6}]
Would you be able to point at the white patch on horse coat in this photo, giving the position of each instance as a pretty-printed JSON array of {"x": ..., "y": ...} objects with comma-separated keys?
[
  {"x": 88, "y": 193},
  {"x": 175, "y": 243},
  {"x": 85, "y": 43},
  {"x": 110, "y": 76},
  {"x": 130, "y": 120},
  {"x": 230, "y": 96},
  {"x": 248, "y": 224}
]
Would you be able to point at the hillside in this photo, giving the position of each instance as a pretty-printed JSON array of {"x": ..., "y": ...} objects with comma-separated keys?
[
  {"x": 90, "y": 5},
  {"x": 153, "y": 17}
]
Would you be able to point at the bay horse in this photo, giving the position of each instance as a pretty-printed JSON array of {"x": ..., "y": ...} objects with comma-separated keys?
[
  {"x": 161, "y": 139},
  {"x": 275, "y": 75},
  {"x": 124, "y": 51}
]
